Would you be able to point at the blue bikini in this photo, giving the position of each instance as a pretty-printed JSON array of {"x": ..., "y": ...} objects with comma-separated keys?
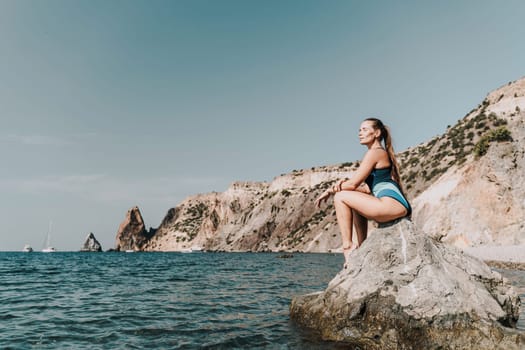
[{"x": 381, "y": 184}]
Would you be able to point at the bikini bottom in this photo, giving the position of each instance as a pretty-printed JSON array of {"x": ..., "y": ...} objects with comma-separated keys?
[{"x": 388, "y": 189}]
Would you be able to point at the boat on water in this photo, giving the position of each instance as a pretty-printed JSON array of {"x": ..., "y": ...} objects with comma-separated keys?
[
  {"x": 47, "y": 244},
  {"x": 27, "y": 249},
  {"x": 193, "y": 249}
]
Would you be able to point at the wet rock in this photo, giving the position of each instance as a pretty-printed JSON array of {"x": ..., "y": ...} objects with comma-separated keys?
[
  {"x": 403, "y": 290},
  {"x": 509, "y": 265},
  {"x": 91, "y": 244}
]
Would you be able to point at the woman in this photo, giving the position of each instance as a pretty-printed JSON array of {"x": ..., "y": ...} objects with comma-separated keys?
[{"x": 374, "y": 191}]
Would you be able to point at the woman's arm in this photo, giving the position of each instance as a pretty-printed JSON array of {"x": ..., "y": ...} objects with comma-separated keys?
[
  {"x": 342, "y": 186},
  {"x": 356, "y": 182}
]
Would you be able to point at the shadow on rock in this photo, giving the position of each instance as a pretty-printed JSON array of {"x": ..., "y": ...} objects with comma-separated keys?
[{"x": 403, "y": 290}]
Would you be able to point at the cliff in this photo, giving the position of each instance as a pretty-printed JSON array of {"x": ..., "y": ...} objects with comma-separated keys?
[
  {"x": 466, "y": 186},
  {"x": 132, "y": 234},
  {"x": 479, "y": 199},
  {"x": 256, "y": 216}
]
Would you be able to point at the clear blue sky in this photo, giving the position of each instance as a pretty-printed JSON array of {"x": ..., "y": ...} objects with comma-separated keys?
[{"x": 109, "y": 104}]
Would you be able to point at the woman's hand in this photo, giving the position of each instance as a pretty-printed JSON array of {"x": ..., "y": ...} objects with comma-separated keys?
[
  {"x": 323, "y": 197},
  {"x": 363, "y": 188},
  {"x": 339, "y": 185}
]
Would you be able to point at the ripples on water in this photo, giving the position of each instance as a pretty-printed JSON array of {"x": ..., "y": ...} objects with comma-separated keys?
[
  {"x": 159, "y": 300},
  {"x": 156, "y": 300}
]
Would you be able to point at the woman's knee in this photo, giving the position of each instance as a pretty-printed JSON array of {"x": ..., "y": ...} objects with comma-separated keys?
[{"x": 342, "y": 198}]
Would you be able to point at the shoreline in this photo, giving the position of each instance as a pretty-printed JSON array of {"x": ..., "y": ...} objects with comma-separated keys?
[
  {"x": 504, "y": 257},
  {"x": 505, "y": 265}
]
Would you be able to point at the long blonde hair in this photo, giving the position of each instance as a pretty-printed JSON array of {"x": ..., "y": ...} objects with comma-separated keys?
[{"x": 387, "y": 139}]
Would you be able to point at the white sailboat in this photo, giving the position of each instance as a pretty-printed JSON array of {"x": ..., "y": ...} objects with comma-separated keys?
[{"x": 47, "y": 245}]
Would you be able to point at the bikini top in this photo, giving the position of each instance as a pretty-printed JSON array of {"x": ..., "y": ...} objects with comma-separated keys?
[{"x": 380, "y": 175}]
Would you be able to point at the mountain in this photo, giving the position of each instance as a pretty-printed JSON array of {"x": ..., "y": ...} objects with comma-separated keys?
[
  {"x": 478, "y": 194},
  {"x": 467, "y": 188}
]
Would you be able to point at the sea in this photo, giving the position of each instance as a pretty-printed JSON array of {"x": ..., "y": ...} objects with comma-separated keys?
[{"x": 163, "y": 300}]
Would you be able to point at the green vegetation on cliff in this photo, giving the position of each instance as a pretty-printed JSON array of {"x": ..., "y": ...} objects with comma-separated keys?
[{"x": 423, "y": 164}]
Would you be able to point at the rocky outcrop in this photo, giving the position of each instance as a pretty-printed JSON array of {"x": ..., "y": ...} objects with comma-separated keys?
[
  {"x": 91, "y": 244},
  {"x": 132, "y": 233},
  {"x": 403, "y": 290}
]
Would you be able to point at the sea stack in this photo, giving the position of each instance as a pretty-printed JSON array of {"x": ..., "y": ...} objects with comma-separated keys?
[
  {"x": 404, "y": 290},
  {"x": 91, "y": 244},
  {"x": 132, "y": 233}
]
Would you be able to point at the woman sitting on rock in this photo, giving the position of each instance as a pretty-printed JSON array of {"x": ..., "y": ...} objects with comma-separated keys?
[{"x": 374, "y": 192}]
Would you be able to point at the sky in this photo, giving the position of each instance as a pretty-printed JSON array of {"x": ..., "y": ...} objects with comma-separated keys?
[{"x": 108, "y": 104}]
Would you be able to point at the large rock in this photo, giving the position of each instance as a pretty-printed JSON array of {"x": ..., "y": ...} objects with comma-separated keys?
[
  {"x": 91, "y": 244},
  {"x": 403, "y": 290},
  {"x": 132, "y": 233}
]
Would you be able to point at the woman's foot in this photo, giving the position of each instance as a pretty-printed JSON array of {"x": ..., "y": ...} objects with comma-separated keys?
[{"x": 346, "y": 252}]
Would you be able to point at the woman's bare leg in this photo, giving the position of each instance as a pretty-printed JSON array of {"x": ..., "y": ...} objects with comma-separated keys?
[
  {"x": 344, "y": 219},
  {"x": 361, "y": 227},
  {"x": 364, "y": 206},
  {"x": 379, "y": 209}
]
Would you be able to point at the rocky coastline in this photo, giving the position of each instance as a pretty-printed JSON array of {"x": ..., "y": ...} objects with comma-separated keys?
[
  {"x": 466, "y": 187},
  {"x": 418, "y": 284}
]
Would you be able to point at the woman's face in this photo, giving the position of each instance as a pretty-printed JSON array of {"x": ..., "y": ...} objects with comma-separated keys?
[{"x": 367, "y": 133}]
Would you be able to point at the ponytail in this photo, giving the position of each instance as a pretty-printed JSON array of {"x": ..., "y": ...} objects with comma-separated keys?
[{"x": 387, "y": 140}]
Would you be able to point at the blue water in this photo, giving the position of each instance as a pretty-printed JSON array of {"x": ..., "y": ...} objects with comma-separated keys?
[
  {"x": 159, "y": 300},
  {"x": 156, "y": 300}
]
